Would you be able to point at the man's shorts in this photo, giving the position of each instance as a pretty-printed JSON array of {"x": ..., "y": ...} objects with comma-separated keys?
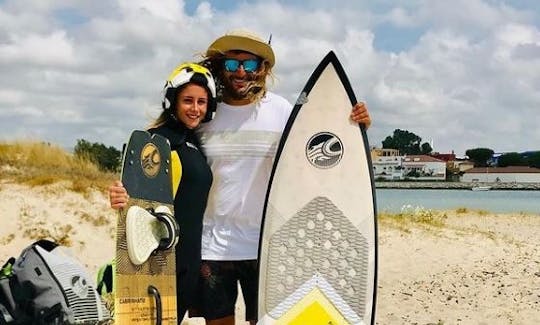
[{"x": 218, "y": 289}]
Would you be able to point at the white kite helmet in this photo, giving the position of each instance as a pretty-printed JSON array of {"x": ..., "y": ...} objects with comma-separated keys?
[{"x": 187, "y": 73}]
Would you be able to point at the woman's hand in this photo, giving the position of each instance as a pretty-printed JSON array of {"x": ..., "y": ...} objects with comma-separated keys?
[{"x": 118, "y": 196}]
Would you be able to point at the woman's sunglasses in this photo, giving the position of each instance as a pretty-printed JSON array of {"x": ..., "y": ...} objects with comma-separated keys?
[{"x": 250, "y": 65}]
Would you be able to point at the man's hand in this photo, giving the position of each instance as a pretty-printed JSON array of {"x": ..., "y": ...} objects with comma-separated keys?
[{"x": 360, "y": 114}]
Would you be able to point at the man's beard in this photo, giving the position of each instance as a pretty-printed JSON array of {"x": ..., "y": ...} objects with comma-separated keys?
[{"x": 251, "y": 87}]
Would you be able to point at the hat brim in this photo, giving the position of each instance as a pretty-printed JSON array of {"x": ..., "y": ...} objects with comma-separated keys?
[{"x": 241, "y": 43}]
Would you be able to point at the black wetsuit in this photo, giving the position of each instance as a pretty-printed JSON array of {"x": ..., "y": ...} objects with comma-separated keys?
[{"x": 189, "y": 205}]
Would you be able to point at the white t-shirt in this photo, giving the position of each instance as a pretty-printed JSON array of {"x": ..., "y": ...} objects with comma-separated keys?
[{"x": 240, "y": 144}]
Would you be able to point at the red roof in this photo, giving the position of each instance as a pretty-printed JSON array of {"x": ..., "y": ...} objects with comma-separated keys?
[
  {"x": 420, "y": 158},
  {"x": 444, "y": 156}
]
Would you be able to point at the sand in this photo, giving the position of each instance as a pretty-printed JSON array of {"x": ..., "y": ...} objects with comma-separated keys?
[
  {"x": 471, "y": 268},
  {"x": 83, "y": 221},
  {"x": 476, "y": 269}
]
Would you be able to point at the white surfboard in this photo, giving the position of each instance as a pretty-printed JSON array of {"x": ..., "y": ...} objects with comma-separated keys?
[{"x": 318, "y": 249}]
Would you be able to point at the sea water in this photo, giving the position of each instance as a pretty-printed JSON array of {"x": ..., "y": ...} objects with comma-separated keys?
[{"x": 394, "y": 200}]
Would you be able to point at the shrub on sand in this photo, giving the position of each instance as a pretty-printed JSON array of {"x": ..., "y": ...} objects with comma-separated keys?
[
  {"x": 413, "y": 216},
  {"x": 39, "y": 163}
]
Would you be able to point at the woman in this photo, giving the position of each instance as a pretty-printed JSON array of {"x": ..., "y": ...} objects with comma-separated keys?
[{"x": 189, "y": 99}]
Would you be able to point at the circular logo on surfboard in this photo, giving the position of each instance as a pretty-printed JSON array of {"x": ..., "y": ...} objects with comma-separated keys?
[
  {"x": 150, "y": 160},
  {"x": 324, "y": 150}
]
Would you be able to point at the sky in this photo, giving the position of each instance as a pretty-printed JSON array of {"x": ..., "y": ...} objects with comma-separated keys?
[{"x": 459, "y": 74}]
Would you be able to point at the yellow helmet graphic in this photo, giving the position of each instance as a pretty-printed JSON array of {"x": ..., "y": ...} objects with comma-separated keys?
[{"x": 187, "y": 73}]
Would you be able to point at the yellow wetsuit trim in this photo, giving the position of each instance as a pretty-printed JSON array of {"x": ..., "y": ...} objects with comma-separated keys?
[{"x": 176, "y": 171}]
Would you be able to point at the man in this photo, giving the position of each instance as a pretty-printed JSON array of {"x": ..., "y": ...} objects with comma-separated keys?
[{"x": 240, "y": 144}]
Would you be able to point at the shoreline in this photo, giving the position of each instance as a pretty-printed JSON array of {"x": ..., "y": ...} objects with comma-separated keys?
[{"x": 440, "y": 185}]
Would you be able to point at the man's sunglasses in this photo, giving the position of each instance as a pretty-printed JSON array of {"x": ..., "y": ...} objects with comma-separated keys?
[{"x": 250, "y": 65}]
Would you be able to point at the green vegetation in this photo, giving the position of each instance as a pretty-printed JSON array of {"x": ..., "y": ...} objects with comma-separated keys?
[
  {"x": 479, "y": 156},
  {"x": 533, "y": 160},
  {"x": 410, "y": 217},
  {"x": 106, "y": 158},
  {"x": 511, "y": 159},
  {"x": 462, "y": 210},
  {"x": 407, "y": 143},
  {"x": 38, "y": 163}
]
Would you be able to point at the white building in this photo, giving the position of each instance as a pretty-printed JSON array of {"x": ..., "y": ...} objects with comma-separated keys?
[
  {"x": 511, "y": 174},
  {"x": 423, "y": 167},
  {"x": 389, "y": 165},
  {"x": 386, "y": 164}
]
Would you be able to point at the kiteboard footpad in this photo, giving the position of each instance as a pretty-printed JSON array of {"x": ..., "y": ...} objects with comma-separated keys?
[{"x": 148, "y": 231}]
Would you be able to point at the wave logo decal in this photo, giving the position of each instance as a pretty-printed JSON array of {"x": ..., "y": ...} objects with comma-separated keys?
[
  {"x": 150, "y": 160},
  {"x": 324, "y": 150}
]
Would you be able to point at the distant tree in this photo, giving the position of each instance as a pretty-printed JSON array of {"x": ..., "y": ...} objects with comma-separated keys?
[
  {"x": 533, "y": 160},
  {"x": 511, "y": 159},
  {"x": 106, "y": 158},
  {"x": 426, "y": 148},
  {"x": 479, "y": 156},
  {"x": 407, "y": 143}
]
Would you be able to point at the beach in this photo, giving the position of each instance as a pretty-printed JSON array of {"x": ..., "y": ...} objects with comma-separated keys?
[
  {"x": 435, "y": 267},
  {"x": 474, "y": 268}
]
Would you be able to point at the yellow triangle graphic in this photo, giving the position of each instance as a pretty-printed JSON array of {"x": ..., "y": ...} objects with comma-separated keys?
[{"x": 313, "y": 309}]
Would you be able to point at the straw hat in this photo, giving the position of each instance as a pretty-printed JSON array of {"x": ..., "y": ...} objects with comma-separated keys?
[{"x": 245, "y": 41}]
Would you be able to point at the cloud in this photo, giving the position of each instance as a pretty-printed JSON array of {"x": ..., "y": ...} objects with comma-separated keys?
[
  {"x": 53, "y": 49},
  {"x": 95, "y": 70}
]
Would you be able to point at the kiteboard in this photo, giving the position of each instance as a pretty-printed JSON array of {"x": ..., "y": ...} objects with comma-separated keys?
[
  {"x": 318, "y": 246},
  {"x": 145, "y": 283}
]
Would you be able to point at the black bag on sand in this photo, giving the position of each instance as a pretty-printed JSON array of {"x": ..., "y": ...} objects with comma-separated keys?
[{"x": 44, "y": 285}]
